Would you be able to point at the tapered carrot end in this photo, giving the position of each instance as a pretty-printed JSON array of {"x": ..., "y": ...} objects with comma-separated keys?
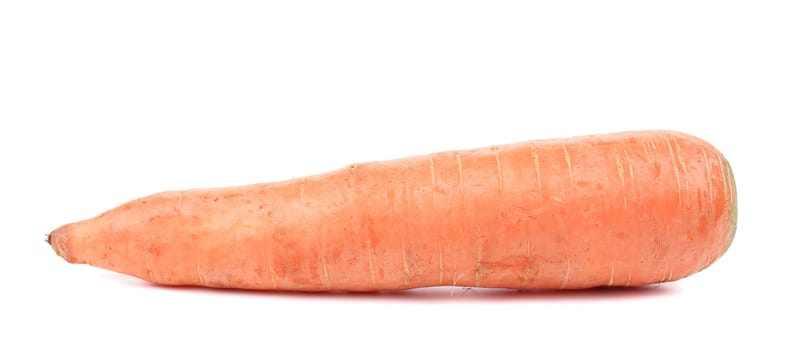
[{"x": 59, "y": 240}]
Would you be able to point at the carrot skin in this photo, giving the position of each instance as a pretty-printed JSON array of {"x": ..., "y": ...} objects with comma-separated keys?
[{"x": 624, "y": 209}]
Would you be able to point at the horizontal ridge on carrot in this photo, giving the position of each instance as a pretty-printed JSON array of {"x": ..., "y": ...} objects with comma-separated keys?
[{"x": 623, "y": 209}]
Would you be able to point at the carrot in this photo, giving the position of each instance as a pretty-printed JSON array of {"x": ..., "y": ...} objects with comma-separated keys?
[{"x": 625, "y": 209}]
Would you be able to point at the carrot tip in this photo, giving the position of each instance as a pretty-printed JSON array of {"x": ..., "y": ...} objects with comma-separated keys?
[{"x": 56, "y": 239}]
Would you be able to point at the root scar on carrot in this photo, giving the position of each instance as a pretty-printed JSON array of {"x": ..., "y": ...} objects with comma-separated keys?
[
  {"x": 611, "y": 274},
  {"x": 628, "y": 161},
  {"x": 683, "y": 166},
  {"x": 270, "y": 267},
  {"x": 724, "y": 182},
  {"x": 527, "y": 269},
  {"x": 622, "y": 182},
  {"x": 199, "y": 272},
  {"x": 499, "y": 171},
  {"x": 479, "y": 276},
  {"x": 440, "y": 265},
  {"x": 631, "y": 174},
  {"x": 536, "y": 161},
  {"x": 628, "y": 280},
  {"x": 326, "y": 280},
  {"x": 179, "y": 201},
  {"x": 406, "y": 269},
  {"x": 646, "y": 150},
  {"x": 709, "y": 178},
  {"x": 371, "y": 266},
  {"x": 673, "y": 158},
  {"x": 459, "y": 159},
  {"x": 567, "y": 274},
  {"x": 432, "y": 172},
  {"x": 568, "y": 162},
  {"x": 148, "y": 264},
  {"x": 455, "y": 284}
]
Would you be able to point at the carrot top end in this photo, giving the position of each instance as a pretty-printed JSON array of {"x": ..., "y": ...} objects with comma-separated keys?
[{"x": 734, "y": 204}]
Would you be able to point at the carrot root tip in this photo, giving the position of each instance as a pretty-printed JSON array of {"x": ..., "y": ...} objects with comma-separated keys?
[{"x": 56, "y": 240}]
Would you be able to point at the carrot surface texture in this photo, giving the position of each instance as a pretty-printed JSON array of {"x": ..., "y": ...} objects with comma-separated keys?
[{"x": 624, "y": 209}]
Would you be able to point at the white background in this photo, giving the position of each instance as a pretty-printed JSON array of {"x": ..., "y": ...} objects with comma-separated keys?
[{"x": 103, "y": 101}]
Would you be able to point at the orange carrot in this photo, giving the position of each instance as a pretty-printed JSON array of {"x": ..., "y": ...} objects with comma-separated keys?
[{"x": 625, "y": 209}]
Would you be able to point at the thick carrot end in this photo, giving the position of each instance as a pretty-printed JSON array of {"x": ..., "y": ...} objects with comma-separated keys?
[{"x": 734, "y": 203}]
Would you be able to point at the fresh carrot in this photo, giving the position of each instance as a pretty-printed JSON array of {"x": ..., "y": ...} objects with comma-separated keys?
[{"x": 625, "y": 209}]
